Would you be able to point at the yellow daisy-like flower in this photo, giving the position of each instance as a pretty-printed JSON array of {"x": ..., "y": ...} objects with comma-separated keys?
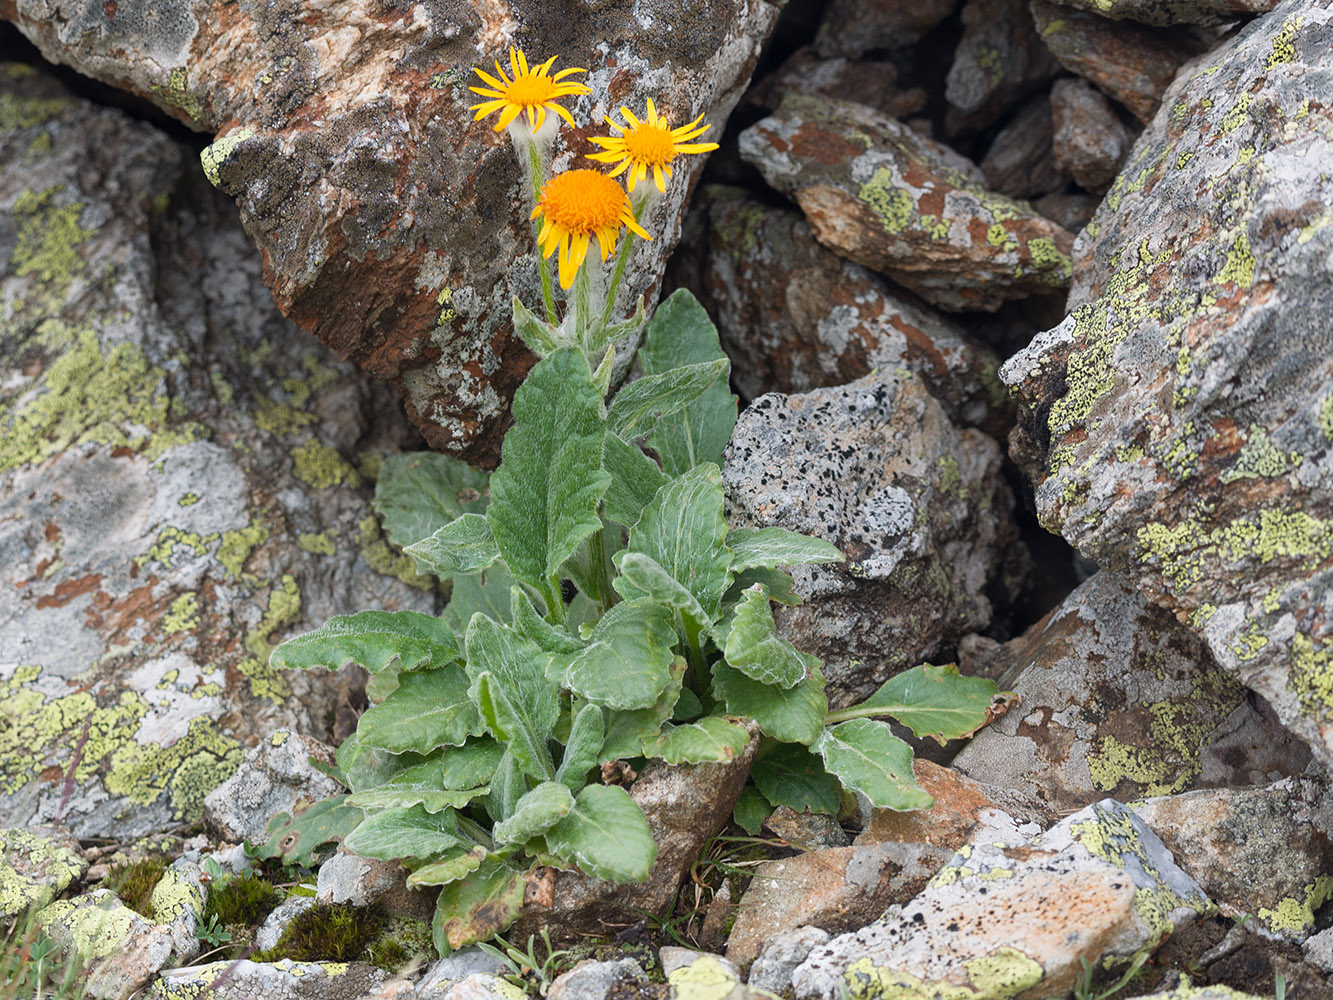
[
  {"x": 576, "y": 206},
  {"x": 646, "y": 145},
  {"x": 531, "y": 91}
]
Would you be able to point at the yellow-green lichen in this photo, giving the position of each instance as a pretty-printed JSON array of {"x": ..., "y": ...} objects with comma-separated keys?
[
  {"x": 215, "y": 155},
  {"x": 237, "y": 545},
  {"x": 320, "y": 466},
  {"x": 96, "y": 925},
  {"x": 1283, "y": 49},
  {"x": 1293, "y": 917},
  {"x": 176, "y": 92},
  {"x": 1326, "y": 417},
  {"x": 1260, "y": 458},
  {"x": 1046, "y": 256},
  {"x": 174, "y": 895},
  {"x": 171, "y": 538},
  {"x": 382, "y": 559},
  {"x": 284, "y": 608},
  {"x": 185, "y": 771},
  {"x": 316, "y": 543},
  {"x": 1237, "y": 115},
  {"x": 892, "y": 204},
  {"x": 1311, "y": 677},
  {"x": 703, "y": 979},
  {"x": 45, "y": 869},
  {"x": 183, "y": 614},
  {"x": 1005, "y": 974},
  {"x": 46, "y": 242},
  {"x": 1000, "y": 976},
  {"x": 24, "y": 112},
  {"x": 188, "y": 500},
  {"x": 1239, "y": 266}
]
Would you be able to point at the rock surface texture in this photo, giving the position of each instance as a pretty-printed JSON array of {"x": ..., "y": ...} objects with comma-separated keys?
[
  {"x": 184, "y": 479},
  {"x": 391, "y": 225},
  {"x": 1180, "y": 420}
]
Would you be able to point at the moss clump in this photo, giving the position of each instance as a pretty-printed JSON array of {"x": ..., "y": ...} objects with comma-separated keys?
[
  {"x": 335, "y": 932},
  {"x": 245, "y": 901},
  {"x": 404, "y": 942},
  {"x": 134, "y": 883}
]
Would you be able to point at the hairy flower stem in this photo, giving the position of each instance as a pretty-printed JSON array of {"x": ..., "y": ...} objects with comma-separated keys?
[
  {"x": 581, "y": 299},
  {"x": 622, "y": 260},
  {"x": 606, "y": 596},
  {"x": 535, "y": 174}
]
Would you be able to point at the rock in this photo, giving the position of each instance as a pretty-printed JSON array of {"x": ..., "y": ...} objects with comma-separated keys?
[
  {"x": 392, "y": 225},
  {"x": 455, "y": 967},
  {"x": 1262, "y": 851},
  {"x": 854, "y": 27},
  {"x": 868, "y": 82},
  {"x": 698, "y": 974},
  {"x": 674, "y": 958},
  {"x": 998, "y": 63},
  {"x": 179, "y": 486},
  {"x": 178, "y": 904},
  {"x": 1090, "y": 142},
  {"x": 833, "y": 321},
  {"x": 1019, "y": 161},
  {"x": 1016, "y": 919},
  {"x": 1118, "y": 698},
  {"x": 882, "y": 196},
  {"x": 1178, "y": 423},
  {"x": 283, "y": 980},
  {"x": 781, "y": 955},
  {"x": 1184, "y": 992},
  {"x": 836, "y": 889},
  {"x": 484, "y": 986},
  {"x": 273, "y": 777},
  {"x": 915, "y": 503},
  {"x": 684, "y": 805},
  {"x": 1167, "y": 12},
  {"x": 276, "y": 922},
  {"x": 1073, "y": 211},
  {"x": 595, "y": 980},
  {"x": 1318, "y": 949},
  {"x": 1131, "y": 62},
  {"x": 116, "y": 950},
  {"x": 349, "y": 878},
  {"x": 35, "y": 867},
  {"x": 805, "y": 831}
]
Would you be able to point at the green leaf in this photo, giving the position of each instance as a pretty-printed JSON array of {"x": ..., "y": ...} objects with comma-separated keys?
[
  {"x": 780, "y": 586},
  {"x": 582, "y": 748},
  {"x": 605, "y": 835},
  {"x": 519, "y": 666},
  {"x": 533, "y": 626},
  {"x": 710, "y": 740},
  {"x": 752, "y": 809},
  {"x": 535, "y": 333},
  {"x": 365, "y": 766},
  {"x": 486, "y": 592},
  {"x": 535, "y": 813},
  {"x": 792, "y": 716},
  {"x": 790, "y": 775},
  {"x": 649, "y": 399},
  {"x": 545, "y": 494},
  {"x": 511, "y": 726},
  {"x": 471, "y": 765},
  {"x": 635, "y": 480},
  {"x": 372, "y": 639},
  {"x": 459, "y": 862},
  {"x": 772, "y": 547},
  {"x": 425, "y": 711},
  {"x": 627, "y": 731},
  {"x": 683, "y": 531},
  {"x": 508, "y": 785},
  {"x": 680, "y": 333},
  {"x": 868, "y": 758},
  {"x": 465, "y": 545},
  {"x": 627, "y": 663},
  {"x": 477, "y": 907},
  {"x": 421, "y": 784},
  {"x": 643, "y": 576},
  {"x": 294, "y": 838},
  {"x": 422, "y": 491},
  {"x": 403, "y": 833},
  {"x": 754, "y": 648},
  {"x": 932, "y": 701}
]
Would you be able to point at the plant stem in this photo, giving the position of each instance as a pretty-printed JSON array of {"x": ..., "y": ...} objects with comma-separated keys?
[
  {"x": 555, "y": 602},
  {"x": 601, "y": 565},
  {"x": 859, "y": 712},
  {"x": 535, "y": 175},
  {"x": 582, "y": 298},
  {"x": 622, "y": 258}
]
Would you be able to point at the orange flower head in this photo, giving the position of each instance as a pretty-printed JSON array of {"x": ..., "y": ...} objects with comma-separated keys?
[
  {"x": 648, "y": 145},
  {"x": 574, "y": 207},
  {"x": 532, "y": 91}
]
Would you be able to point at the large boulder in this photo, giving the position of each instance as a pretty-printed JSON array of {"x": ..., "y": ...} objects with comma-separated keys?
[
  {"x": 185, "y": 479},
  {"x": 393, "y": 226},
  {"x": 1178, "y": 423}
]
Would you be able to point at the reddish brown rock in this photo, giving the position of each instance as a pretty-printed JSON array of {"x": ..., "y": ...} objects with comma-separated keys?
[
  {"x": 880, "y": 195},
  {"x": 1019, "y": 162},
  {"x": 1090, "y": 142},
  {"x": 1131, "y": 62}
]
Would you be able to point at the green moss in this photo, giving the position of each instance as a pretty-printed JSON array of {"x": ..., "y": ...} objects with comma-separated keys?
[
  {"x": 134, "y": 884},
  {"x": 403, "y": 942},
  {"x": 334, "y": 932},
  {"x": 243, "y": 900},
  {"x": 892, "y": 204}
]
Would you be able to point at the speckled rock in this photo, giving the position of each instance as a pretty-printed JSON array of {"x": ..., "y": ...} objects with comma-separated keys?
[
  {"x": 484, "y": 986},
  {"x": 781, "y": 955},
  {"x": 270, "y": 931},
  {"x": 184, "y": 480},
  {"x": 454, "y": 967},
  {"x": 882, "y": 196},
  {"x": 915, "y": 503},
  {"x": 836, "y": 889},
  {"x": 1167, "y": 12},
  {"x": 1318, "y": 949},
  {"x": 695, "y": 975},
  {"x": 795, "y": 316},
  {"x": 1131, "y": 62},
  {"x": 1019, "y": 161},
  {"x": 392, "y": 225},
  {"x": 866, "y": 81},
  {"x": 998, "y": 63},
  {"x": 854, "y": 27},
  {"x": 35, "y": 867},
  {"x": 1178, "y": 423},
  {"x": 118, "y": 950},
  {"x": 1014, "y": 920},
  {"x": 284, "y": 980},
  {"x": 1185, "y": 992},
  {"x": 349, "y": 878},
  {"x": 594, "y": 980},
  {"x": 1073, "y": 210},
  {"x": 684, "y": 805},
  {"x": 274, "y": 776},
  {"x": 1118, "y": 698},
  {"x": 1089, "y": 140},
  {"x": 806, "y": 831},
  {"x": 1262, "y": 851},
  {"x": 178, "y": 904}
]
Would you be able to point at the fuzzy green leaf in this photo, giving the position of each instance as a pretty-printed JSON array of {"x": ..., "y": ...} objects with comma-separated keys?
[
  {"x": 627, "y": 663},
  {"x": 471, "y": 765},
  {"x": 643, "y": 576},
  {"x": 635, "y": 480},
  {"x": 545, "y": 494},
  {"x": 649, "y": 399},
  {"x": 606, "y": 836},
  {"x": 486, "y": 593},
  {"x": 535, "y": 813},
  {"x": 754, "y": 648},
  {"x": 422, "y": 491},
  {"x": 680, "y": 333},
  {"x": 627, "y": 731},
  {"x": 426, "y": 710},
  {"x": 364, "y": 766},
  {"x": 780, "y": 586},
  {"x": 932, "y": 701},
  {"x": 533, "y": 626},
  {"x": 790, "y": 775},
  {"x": 459, "y": 862},
  {"x": 773, "y": 547},
  {"x": 295, "y": 838},
  {"x": 372, "y": 639},
  {"x": 752, "y": 809},
  {"x": 582, "y": 748},
  {"x": 710, "y": 740},
  {"x": 403, "y": 833},
  {"x": 465, "y": 545},
  {"x": 508, "y": 785},
  {"x": 535, "y": 333},
  {"x": 792, "y": 716},
  {"x": 420, "y": 785},
  {"x": 477, "y": 907},
  {"x": 519, "y": 666},
  {"x": 868, "y": 758},
  {"x": 512, "y": 727}
]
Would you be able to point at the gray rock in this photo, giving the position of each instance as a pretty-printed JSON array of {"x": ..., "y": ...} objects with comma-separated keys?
[
  {"x": 1071, "y": 210},
  {"x": 806, "y": 831},
  {"x": 180, "y": 486},
  {"x": 117, "y": 950},
  {"x": 1005, "y": 919},
  {"x": 1318, "y": 949},
  {"x": 1178, "y": 423},
  {"x": 999, "y": 62},
  {"x": 273, "y": 777},
  {"x": 869, "y": 82},
  {"x": 674, "y": 958},
  {"x": 276, "y": 922},
  {"x": 35, "y": 867},
  {"x": 594, "y": 980},
  {"x": 1019, "y": 160},
  {"x": 1167, "y": 12},
  {"x": 915, "y": 503},
  {"x": 854, "y": 27},
  {"x": 284, "y": 980},
  {"x": 1118, "y": 698},
  {"x": 178, "y": 904},
  {"x": 455, "y": 967},
  {"x": 781, "y": 955},
  {"x": 1090, "y": 142},
  {"x": 348, "y": 878}
]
